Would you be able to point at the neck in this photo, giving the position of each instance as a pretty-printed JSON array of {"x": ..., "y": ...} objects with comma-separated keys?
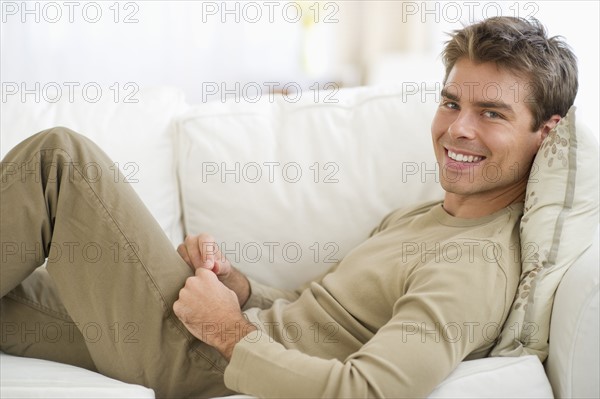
[{"x": 478, "y": 205}]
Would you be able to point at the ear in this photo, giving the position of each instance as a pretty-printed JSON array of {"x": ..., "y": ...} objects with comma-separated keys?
[{"x": 548, "y": 126}]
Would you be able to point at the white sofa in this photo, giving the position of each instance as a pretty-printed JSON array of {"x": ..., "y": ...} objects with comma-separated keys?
[{"x": 333, "y": 167}]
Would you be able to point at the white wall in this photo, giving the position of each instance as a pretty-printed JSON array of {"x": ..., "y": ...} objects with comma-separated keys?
[
  {"x": 152, "y": 42},
  {"x": 576, "y": 21},
  {"x": 200, "y": 45}
]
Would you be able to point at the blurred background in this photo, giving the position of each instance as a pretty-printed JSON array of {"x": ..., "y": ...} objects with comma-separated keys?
[{"x": 211, "y": 48}]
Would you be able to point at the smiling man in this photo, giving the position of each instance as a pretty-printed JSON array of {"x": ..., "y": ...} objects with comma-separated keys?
[
  {"x": 398, "y": 321},
  {"x": 485, "y": 136}
]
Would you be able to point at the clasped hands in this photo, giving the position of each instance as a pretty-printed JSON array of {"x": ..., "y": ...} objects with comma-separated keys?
[{"x": 209, "y": 303}]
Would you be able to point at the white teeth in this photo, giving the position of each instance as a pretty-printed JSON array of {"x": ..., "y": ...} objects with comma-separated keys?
[{"x": 463, "y": 158}]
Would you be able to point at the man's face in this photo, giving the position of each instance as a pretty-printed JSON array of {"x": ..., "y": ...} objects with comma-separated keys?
[{"x": 482, "y": 132}]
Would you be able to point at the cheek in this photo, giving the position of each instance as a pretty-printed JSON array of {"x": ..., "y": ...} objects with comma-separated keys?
[
  {"x": 527, "y": 155},
  {"x": 437, "y": 125},
  {"x": 513, "y": 150},
  {"x": 529, "y": 145}
]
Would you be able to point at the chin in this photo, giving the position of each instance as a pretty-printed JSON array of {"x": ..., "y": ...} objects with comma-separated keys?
[{"x": 459, "y": 189}]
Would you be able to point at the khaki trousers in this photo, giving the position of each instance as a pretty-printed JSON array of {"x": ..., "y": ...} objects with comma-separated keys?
[{"x": 104, "y": 300}]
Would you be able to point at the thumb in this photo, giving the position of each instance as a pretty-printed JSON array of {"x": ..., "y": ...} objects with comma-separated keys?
[
  {"x": 209, "y": 260},
  {"x": 204, "y": 274}
]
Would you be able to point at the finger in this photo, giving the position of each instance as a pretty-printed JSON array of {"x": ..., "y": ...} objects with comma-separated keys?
[
  {"x": 193, "y": 251},
  {"x": 182, "y": 251},
  {"x": 216, "y": 259},
  {"x": 220, "y": 263},
  {"x": 204, "y": 275},
  {"x": 201, "y": 272},
  {"x": 216, "y": 267},
  {"x": 208, "y": 250},
  {"x": 178, "y": 308}
]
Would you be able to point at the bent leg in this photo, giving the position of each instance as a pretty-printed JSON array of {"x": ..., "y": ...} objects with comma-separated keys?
[
  {"x": 34, "y": 323},
  {"x": 111, "y": 263}
]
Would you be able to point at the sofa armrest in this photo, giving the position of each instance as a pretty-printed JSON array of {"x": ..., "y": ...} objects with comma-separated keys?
[{"x": 573, "y": 363}]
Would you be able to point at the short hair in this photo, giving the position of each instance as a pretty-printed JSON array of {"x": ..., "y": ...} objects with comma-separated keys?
[{"x": 522, "y": 47}]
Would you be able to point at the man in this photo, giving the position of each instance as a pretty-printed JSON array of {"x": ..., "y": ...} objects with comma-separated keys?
[{"x": 383, "y": 323}]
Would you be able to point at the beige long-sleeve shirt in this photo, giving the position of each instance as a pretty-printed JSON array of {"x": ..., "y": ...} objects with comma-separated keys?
[{"x": 394, "y": 317}]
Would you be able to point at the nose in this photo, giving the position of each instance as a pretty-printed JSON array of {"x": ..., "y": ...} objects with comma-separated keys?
[{"x": 464, "y": 126}]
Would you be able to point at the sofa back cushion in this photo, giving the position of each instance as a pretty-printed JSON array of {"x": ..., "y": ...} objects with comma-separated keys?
[
  {"x": 135, "y": 128},
  {"x": 288, "y": 188},
  {"x": 558, "y": 224}
]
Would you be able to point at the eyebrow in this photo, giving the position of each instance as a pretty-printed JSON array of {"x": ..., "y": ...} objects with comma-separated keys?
[{"x": 482, "y": 104}]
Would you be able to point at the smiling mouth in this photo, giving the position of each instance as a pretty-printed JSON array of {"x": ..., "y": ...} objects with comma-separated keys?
[{"x": 458, "y": 157}]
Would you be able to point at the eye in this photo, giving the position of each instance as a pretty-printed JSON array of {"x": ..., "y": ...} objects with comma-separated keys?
[
  {"x": 450, "y": 104},
  {"x": 493, "y": 115}
]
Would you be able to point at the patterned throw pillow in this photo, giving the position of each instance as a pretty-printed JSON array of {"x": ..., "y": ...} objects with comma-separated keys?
[{"x": 560, "y": 218}]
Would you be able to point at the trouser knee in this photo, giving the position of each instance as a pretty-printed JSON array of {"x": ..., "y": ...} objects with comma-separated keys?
[
  {"x": 56, "y": 138},
  {"x": 58, "y": 147},
  {"x": 61, "y": 137}
]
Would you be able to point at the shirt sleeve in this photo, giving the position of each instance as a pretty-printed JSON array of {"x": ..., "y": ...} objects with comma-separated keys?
[
  {"x": 447, "y": 312},
  {"x": 262, "y": 296}
]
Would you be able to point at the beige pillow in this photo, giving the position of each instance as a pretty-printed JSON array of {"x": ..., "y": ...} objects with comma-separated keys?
[{"x": 559, "y": 221}]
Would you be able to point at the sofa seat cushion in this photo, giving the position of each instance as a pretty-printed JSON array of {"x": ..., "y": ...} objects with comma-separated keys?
[
  {"x": 35, "y": 378},
  {"x": 521, "y": 377}
]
